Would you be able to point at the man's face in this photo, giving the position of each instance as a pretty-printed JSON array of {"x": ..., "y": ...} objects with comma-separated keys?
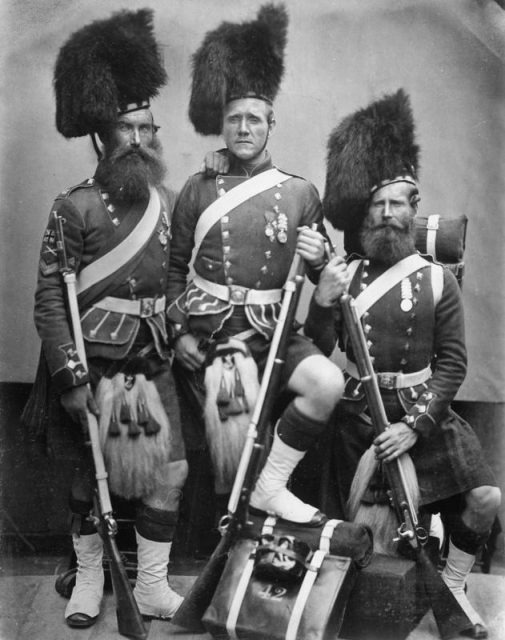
[
  {"x": 387, "y": 232},
  {"x": 390, "y": 206},
  {"x": 131, "y": 131},
  {"x": 246, "y": 128}
]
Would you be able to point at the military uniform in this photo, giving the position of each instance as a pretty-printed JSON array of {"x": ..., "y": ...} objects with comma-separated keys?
[
  {"x": 418, "y": 349},
  {"x": 113, "y": 331},
  {"x": 249, "y": 249}
]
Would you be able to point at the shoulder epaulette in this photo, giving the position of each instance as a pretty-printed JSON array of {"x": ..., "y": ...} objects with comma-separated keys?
[{"x": 85, "y": 184}]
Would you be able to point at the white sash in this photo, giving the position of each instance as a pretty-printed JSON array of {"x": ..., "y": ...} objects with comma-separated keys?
[
  {"x": 369, "y": 296},
  {"x": 125, "y": 250},
  {"x": 233, "y": 198}
]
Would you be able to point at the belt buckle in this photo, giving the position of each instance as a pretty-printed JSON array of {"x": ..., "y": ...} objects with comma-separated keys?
[
  {"x": 237, "y": 294},
  {"x": 387, "y": 380},
  {"x": 146, "y": 307}
]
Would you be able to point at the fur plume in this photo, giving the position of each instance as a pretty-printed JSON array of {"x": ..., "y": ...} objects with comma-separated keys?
[
  {"x": 371, "y": 145},
  {"x": 132, "y": 462},
  {"x": 381, "y": 518},
  {"x": 234, "y": 60},
  {"x": 103, "y": 66},
  {"x": 226, "y": 438}
]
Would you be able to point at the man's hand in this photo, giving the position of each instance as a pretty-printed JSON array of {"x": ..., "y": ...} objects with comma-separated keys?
[
  {"x": 310, "y": 246},
  {"x": 215, "y": 163},
  {"x": 333, "y": 282},
  {"x": 187, "y": 352},
  {"x": 396, "y": 440},
  {"x": 77, "y": 402}
]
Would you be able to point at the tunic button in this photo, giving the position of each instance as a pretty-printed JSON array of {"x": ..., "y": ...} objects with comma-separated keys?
[
  {"x": 229, "y": 280},
  {"x": 403, "y": 362},
  {"x": 226, "y": 235},
  {"x": 264, "y": 269},
  {"x": 277, "y": 196},
  {"x": 226, "y": 249},
  {"x": 227, "y": 264},
  {"x": 225, "y": 219},
  {"x": 221, "y": 192},
  {"x": 409, "y": 331}
]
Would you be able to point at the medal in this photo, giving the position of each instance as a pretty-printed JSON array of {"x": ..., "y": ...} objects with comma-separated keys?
[
  {"x": 282, "y": 237},
  {"x": 269, "y": 231},
  {"x": 282, "y": 227},
  {"x": 406, "y": 305},
  {"x": 406, "y": 293}
]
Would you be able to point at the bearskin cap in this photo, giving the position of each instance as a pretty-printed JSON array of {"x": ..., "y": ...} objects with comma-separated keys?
[
  {"x": 235, "y": 61},
  {"x": 370, "y": 148},
  {"x": 104, "y": 67}
]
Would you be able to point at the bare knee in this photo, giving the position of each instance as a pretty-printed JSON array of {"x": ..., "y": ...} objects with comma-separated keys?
[
  {"x": 170, "y": 479},
  {"x": 484, "y": 501},
  {"x": 319, "y": 383}
]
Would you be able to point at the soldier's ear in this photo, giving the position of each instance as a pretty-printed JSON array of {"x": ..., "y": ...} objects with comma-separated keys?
[{"x": 271, "y": 124}]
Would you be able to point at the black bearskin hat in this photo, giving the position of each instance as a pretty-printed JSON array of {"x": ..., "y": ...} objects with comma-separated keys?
[
  {"x": 104, "y": 67},
  {"x": 235, "y": 61},
  {"x": 368, "y": 149}
]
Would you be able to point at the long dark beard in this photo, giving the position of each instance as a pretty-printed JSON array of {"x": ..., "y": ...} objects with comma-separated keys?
[
  {"x": 127, "y": 173},
  {"x": 388, "y": 244}
]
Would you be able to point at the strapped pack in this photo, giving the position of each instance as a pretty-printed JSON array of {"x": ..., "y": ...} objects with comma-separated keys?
[{"x": 285, "y": 581}]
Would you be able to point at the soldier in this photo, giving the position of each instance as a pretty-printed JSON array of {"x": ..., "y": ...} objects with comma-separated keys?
[
  {"x": 117, "y": 231},
  {"x": 244, "y": 229},
  {"x": 412, "y": 315}
]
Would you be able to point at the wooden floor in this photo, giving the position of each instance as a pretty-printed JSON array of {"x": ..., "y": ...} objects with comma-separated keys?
[{"x": 30, "y": 609}]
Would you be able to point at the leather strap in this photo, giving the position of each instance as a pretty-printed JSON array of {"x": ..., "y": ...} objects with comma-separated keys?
[
  {"x": 431, "y": 235},
  {"x": 125, "y": 250},
  {"x": 386, "y": 281},
  {"x": 391, "y": 380},
  {"x": 143, "y": 308},
  {"x": 233, "y": 198},
  {"x": 236, "y": 294}
]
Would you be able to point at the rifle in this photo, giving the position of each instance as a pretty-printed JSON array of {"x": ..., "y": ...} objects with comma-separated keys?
[
  {"x": 190, "y": 613},
  {"x": 449, "y": 616},
  {"x": 129, "y": 620}
]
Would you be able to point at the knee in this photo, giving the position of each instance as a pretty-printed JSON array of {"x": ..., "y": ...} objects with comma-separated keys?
[
  {"x": 484, "y": 500},
  {"x": 176, "y": 474},
  {"x": 327, "y": 388}
]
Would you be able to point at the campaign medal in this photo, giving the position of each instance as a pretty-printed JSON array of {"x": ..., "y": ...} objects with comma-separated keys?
[
  {"x": 270, "y": 225},
  {"x": 164, "y": 232},
  {"x": 282, "y": 227},
  {"x": 406, "y": 295}
]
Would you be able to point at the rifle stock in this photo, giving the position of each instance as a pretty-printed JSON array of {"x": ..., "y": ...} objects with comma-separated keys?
[
  {"x": 130, "y": 621},
  {"x": 450, "y": 618},
  {"x": 190, "y": 613}
]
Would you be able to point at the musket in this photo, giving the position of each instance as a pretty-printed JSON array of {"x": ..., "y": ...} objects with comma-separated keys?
[
  {"x": 190, "y": 613},
  {"x": 450, "y": 618},
  {"x": 129, "y": 619}
]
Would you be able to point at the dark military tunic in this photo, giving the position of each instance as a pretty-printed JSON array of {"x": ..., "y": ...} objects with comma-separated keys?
[
  {"x": 253, "y": 246},
  {"x": 406, "y": 337},
  {"x": 93, "y": 226}
]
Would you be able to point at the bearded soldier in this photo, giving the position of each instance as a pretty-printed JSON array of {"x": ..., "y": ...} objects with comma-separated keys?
[
  {"x": 243, "y": 229},
  {"x": 412, "y": 317},
  {"x": 116, "y": 235}
]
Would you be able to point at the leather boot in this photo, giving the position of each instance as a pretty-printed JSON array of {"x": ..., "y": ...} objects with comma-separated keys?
[
  {"x": 458, "y": 566},
  {"x": 154, "y": 597},
  {"x": 270, "y": 493},
  {"x": 84, "y": 605}
]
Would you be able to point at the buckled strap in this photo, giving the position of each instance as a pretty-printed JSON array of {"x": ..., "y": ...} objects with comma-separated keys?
[
  {"x": 388, "y": 380},
  {"x": 236, "y": 294},
  {"x": 143, "y": 308}
]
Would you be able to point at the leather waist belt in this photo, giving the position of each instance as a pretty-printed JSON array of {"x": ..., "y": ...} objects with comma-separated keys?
[
  {"x": 387, "y": 380},
  {"x": 143, "y": 308},
  {"x": 236, "y": 294}
]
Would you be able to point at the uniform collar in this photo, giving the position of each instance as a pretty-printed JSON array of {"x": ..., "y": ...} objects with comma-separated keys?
[{"x": 237, "y": 168}]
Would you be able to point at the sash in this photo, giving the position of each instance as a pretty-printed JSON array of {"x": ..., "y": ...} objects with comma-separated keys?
[
  {"x": 395, "y": 274},
  {"x": 233, "y": 198},
  {"x": 126, "y": 250}
]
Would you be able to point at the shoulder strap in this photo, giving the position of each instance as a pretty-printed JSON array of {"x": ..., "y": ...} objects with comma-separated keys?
[
  {"x": 385, "y": 282},
  {"x": 125, "y": 250},
  {"x": 437, "y": 282},
  {"x": 233, "y": 198},
  {"x": 352, "y": 267}
]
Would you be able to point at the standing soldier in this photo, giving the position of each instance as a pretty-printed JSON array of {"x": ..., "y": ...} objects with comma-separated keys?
[
  {"x": 116, "y": 235},
  {"x": 412, "y": 316},
  {"x": 244, "y": 229}
]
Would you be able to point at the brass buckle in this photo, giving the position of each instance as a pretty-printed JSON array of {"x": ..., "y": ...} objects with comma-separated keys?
[
  {"x": 237, "y": 294},
  {"x": 146, "y": 307},
  {"x": 386, "y": 380}
]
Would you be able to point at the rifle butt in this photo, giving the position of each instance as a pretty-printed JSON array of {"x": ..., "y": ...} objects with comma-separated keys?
[
  {"x": 129, "y": 619},
  {"x": 450, "y": 618},
  {"x": 190, "y": 613}
]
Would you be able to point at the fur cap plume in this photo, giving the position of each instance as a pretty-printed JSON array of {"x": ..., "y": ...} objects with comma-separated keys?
[
  {"x": 372, "y": 146},
  {"x": 104, "y": 66},
  {"x": 236, "y": 60}
]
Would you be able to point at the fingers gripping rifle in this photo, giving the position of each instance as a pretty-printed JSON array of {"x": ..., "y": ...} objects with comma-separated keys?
[
  {"x": 190, "y": 613},
  {"x": 449, "y": 616},
  {"x": 128, "y": 616}
]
